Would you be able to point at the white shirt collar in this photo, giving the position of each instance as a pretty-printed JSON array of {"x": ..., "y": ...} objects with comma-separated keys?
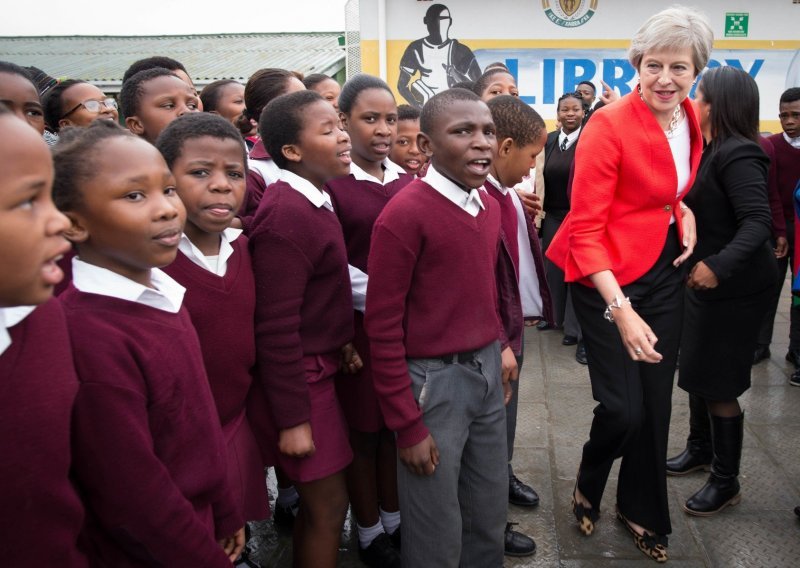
[
  {"x": 315, "y": 196},
  {"x": 469, "y": 202},
  {"x": 500, "y": 187},
  {"x": 9, "y": 317},
  {"x": 167, "y": 294},
  {"x": 571, "y": 137},
  {"x": 194, "y": 254},
  {"x": 391, "y": 172},
  {"x": 793, "y": 142}
]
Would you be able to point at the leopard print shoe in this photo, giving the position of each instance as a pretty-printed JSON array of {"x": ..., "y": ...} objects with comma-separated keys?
[
  {"x": 586, "y": 516},
  {"x": 653, "y": 545}
]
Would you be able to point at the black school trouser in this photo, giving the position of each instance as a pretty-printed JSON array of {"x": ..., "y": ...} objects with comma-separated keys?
[
  {"x": 631, "y": 419},
  {"x": 784, "y": 264}
]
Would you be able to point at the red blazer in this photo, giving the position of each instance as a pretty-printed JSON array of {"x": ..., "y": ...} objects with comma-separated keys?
[{"x": 623, "y": 193}]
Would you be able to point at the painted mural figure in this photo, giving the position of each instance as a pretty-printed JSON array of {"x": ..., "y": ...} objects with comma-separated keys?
[{"x": 436, "y": 62}]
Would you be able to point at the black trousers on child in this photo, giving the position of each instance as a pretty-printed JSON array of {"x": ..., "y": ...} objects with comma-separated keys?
[{"x": 631, "y": 419}]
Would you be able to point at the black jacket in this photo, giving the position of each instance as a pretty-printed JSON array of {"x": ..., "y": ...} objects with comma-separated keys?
[{"x": 729, "y": 200}]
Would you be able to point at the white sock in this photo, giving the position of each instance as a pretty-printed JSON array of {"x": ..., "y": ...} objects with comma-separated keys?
[
  {"x": 287, "y": 496},
  {"x": 367, "y": 534},
  {"x": 390, "y": 521}
]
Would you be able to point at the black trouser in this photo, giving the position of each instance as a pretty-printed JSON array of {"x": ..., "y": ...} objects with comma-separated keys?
[
  {"x": 767, "y": 325},
  {"x": 563, "y": 310},
  {"x": 511, "y": 410},
  {"x": 631, "y": 419}
]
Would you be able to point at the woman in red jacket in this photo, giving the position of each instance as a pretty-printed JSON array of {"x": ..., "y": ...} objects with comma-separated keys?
[{"x": 622, "y": 246}]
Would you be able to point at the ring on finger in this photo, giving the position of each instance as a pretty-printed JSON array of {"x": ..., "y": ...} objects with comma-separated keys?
[{"x": 638, "y": 351}]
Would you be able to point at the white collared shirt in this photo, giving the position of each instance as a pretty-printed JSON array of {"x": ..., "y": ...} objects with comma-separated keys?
[
  {"x": 166, "y": 294},
  {"x": 359, "y": 279},
  {"x": 469, "y": 202},
  {"x": 570, "y": 138},
  {"x": 793, "y": 142},
  {"x": 499, "y": 186},
  {"x": 315, "y": 196},
  {"x": 216, "y": 264},
  {"x": 9, "y": 317},
  {"x": 681, "y": 145},
  {"x": 391, "y": 172}
]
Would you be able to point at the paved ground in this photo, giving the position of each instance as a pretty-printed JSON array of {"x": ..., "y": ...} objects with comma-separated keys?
[{"x": 554, "y": 418}]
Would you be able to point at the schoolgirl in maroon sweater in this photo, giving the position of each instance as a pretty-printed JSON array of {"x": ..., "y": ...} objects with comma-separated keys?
[
  {"x": 208, "y": 160},
  {"x": 263, "y": 86},
  {"x": 369, "y": 115},
  {"x": 148, "y": 450},
  {"x": 41, "y": 514},
  {"x": 304, "y": 314}
]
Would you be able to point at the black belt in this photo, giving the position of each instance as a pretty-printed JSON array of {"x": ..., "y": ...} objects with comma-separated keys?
[{"x": 462, "y": 357}]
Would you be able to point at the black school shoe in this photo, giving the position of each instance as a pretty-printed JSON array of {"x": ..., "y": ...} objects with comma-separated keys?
[
  {"x": 518, "y": 544},
  {"x": 283, "y": 517},
  {"x": 395, "y": 537},
  {"x": 380, "y": 553},
  {"x": 569, "y": 340},
  {"x": 521, "y": 494},
  {"x": 794, "y": 380},
  {"x": 762, "y": 353},
  {"x": 580, "y": 354}
]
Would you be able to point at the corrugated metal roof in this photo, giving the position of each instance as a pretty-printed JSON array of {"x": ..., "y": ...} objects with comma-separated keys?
[{"x": 103, "y": 59}]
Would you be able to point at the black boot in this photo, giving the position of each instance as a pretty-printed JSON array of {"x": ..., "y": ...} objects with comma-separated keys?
[
  {"x": 697, "y": 454},
  {"x": 722, "y": 487}
]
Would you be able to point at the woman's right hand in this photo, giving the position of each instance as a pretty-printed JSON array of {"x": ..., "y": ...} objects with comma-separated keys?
[
  {"x": 636, "y": 335},
  {"x": 297, "y": 441}
]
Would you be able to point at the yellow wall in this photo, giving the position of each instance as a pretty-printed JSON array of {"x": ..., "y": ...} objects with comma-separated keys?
[{"x": 395, "y": 49}]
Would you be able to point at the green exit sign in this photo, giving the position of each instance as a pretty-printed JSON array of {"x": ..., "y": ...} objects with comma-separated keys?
[{"x": 736, "y": 24}]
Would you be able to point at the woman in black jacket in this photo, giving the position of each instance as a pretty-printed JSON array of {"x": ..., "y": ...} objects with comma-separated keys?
[{"x": 732, "y": 269}]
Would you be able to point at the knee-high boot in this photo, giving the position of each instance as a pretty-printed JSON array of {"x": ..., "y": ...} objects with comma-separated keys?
[
  {"x": 722, "y": 488},
  {"x": 697, "y": 454}
]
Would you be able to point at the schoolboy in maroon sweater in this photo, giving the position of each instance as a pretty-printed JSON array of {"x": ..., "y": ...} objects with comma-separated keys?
[
  {"x": 207, "y": 158},
  {"x": 786, "y": 166},
  {"x": 40, "y": 512},
  {"x": 147, "y": 445},
  {"x": 521, "y": 135},
  {"x": 433, "y": 327}
]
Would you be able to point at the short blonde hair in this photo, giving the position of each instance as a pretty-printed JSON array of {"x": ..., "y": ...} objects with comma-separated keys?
[{"x": 676, "y": 28}]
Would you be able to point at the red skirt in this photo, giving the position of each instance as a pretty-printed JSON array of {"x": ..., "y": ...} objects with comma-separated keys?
[
  {"x": 357, "y": 392},
  {"x": 245, "y": 470},
  {"x": 328, "y": 427}
]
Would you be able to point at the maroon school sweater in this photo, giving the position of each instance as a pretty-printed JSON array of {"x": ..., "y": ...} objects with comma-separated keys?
[
  {"x": 432, "y": 292},
  {"x": 775, "y": 205},
  {"x": 304, "y": 305},
  {"x": 40, "y": 513},
  {"x": 358, "y": 203},
  {"x": 787, "y": 164},
  {"x": 222, "y": 308},
  {"x": 148, "y": 451}
]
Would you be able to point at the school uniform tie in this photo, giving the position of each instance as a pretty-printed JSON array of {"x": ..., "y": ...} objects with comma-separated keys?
[{"x": 564, "y": 144}]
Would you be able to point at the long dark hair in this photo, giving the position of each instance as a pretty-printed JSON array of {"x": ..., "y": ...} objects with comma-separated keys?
[{"x": 733, "y": 96}]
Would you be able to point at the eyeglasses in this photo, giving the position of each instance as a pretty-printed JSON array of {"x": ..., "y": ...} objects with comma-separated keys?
[{"x": 93, "y": 106}]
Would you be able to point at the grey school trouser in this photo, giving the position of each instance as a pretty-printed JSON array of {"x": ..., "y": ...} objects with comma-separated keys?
[{"x": 457, "y": 516}]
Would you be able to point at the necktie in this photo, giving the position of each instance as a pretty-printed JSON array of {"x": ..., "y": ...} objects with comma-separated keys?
[{"x": 564, "y": 144}]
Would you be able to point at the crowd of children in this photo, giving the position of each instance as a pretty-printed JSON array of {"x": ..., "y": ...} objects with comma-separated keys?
[{"x": 304, "y": 277}]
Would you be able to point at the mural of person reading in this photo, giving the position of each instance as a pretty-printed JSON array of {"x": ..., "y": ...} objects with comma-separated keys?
[{"x": 435, "y": 62}]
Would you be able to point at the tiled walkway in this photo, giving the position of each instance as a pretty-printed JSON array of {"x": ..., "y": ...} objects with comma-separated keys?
[{"x": 555, "y": 412}]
